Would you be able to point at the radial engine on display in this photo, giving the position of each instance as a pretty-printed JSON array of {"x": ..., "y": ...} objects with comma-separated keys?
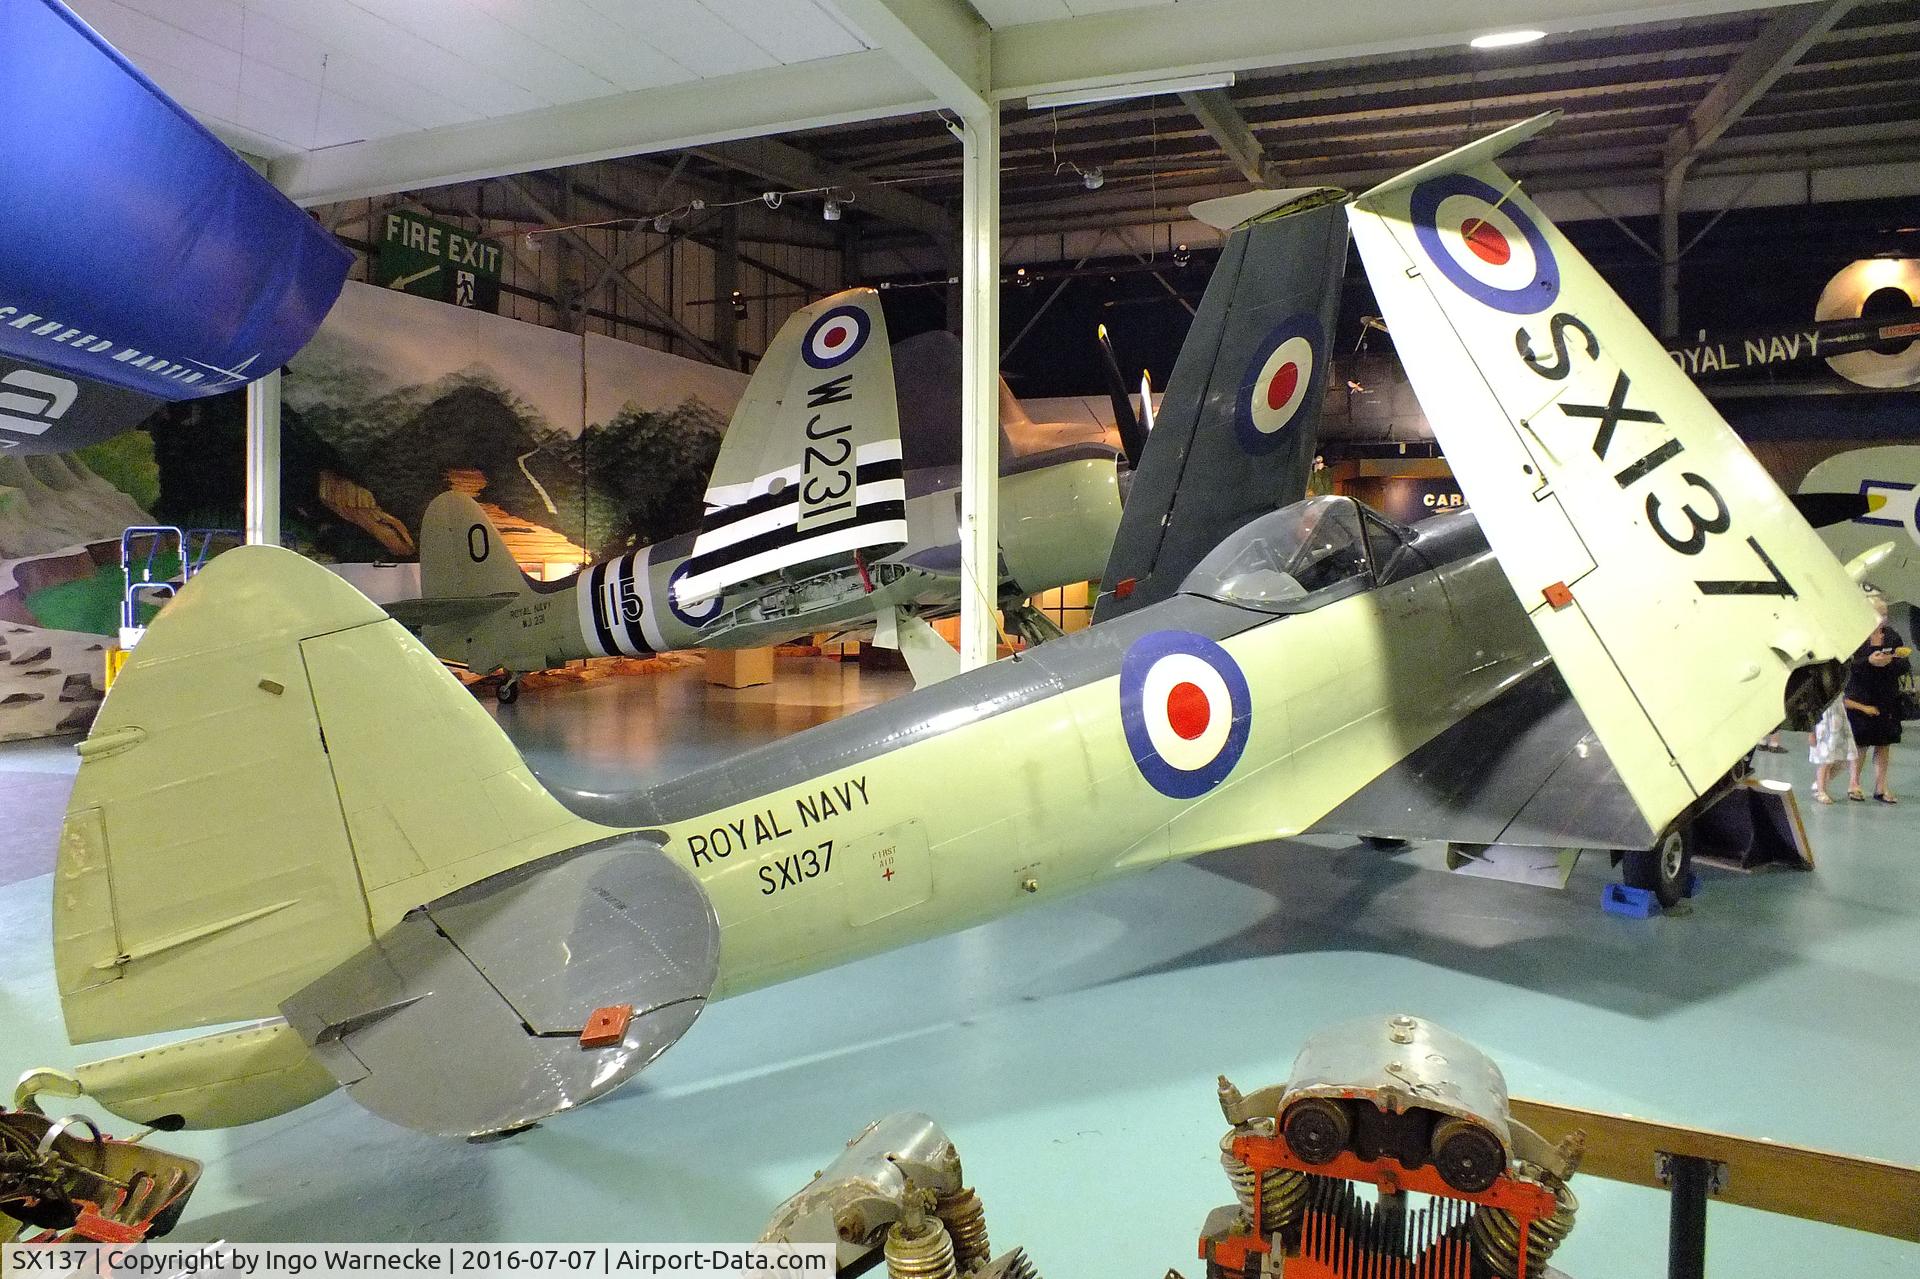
[{"x": 1404, "y": 1106}]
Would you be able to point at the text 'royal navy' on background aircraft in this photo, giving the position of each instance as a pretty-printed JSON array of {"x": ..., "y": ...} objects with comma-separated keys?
[
  {"x": 812, "y": 524},
  {"x": 289, "y": 811}
]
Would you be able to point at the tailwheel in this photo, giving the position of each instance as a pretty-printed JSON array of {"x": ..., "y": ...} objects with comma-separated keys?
[
  {"x": 1467, "y": 1156},
  {"x": 1663, "y": 869},
  {"x": 509, "y": 691},
  {"x": 1317, "y": 1129}
]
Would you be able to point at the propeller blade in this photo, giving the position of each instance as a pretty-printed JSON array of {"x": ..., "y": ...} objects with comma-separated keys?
[{"x": 1133, "y": 437}]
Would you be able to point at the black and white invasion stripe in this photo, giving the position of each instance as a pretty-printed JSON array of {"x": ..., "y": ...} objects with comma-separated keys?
[
  {"x": 756, "y": 533},
  {"x": 612, "y": 602}
]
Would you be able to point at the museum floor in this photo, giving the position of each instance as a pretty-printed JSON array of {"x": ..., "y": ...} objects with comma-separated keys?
[{"x": 1071, "y": 1051}]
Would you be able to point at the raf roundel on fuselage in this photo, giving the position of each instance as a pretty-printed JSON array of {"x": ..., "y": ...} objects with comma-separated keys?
[
  {"x": 1186, "y": 710},
  {"x": 697, "y": 615},
  {"x": 1490, "y": 250}
]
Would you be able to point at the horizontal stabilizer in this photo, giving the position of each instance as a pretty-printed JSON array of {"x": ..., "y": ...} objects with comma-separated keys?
[
  {"x": 414, "y": 614},
  {"x": 278, "y": 775},
  {"x": 1685, "y": 601},
  {"x": 477, "y": 1014},
  {"x": 1230, "y": 212}
]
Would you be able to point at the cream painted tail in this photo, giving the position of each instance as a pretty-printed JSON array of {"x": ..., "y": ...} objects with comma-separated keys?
[{"x": 279, "y": 774}]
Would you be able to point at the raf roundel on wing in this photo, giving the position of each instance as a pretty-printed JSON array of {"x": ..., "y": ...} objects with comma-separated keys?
[
  {"x": 1484, "y": 245},
  {"x": 835, "y": 337},
  {"x": 1186, "y": 711},
  {"x": 1281, "y": 380}
]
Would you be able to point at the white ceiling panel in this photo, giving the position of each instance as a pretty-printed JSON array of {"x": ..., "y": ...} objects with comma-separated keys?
[
  {"x": 577, "y": 32},
  {"x": 685, "y": 30},
  {"x": 790, "y": 30},
  {"x": 1007, "y": 13}
]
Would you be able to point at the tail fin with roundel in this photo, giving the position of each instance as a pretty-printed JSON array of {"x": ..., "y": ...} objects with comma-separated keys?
[
  {"x": 1237, "y": 427},
  {"x": 810, "y": 469},
  {"x": 1688, "y": 606}
]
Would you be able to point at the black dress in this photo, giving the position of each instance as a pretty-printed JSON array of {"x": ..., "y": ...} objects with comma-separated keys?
[{"x": 1878, "y": 687}]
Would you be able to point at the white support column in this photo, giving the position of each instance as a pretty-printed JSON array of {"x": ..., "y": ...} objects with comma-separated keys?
[
  {"x": 263, "y": 461},
  {"x": 980, "y": 389}
]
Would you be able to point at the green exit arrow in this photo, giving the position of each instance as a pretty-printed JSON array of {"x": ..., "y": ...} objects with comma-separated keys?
[{"x": 401, "y": 282}]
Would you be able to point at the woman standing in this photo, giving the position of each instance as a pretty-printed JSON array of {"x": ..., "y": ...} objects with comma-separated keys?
[{"x": 1873, "y": 704}]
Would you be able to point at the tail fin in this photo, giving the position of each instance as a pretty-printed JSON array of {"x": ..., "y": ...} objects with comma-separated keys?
[
  {"x": 1241, "y": 414},
  {"x": 279, "y": 773},
  {"x": 1686, "y": 603},
  {"x": 810, "y": 466},
  {"x": 466, "y": 576},
  {"x": 461, "y": 553}
]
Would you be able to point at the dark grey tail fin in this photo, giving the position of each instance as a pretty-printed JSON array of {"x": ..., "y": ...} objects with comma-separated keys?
[{"x": 1237, "y": 427}]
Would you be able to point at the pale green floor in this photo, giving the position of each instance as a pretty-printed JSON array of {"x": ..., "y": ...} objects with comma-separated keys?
[{"x": 1071, "y": 1050}]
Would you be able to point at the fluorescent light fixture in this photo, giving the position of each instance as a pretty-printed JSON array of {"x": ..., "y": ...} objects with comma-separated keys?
[
  {"x": 1506, "y": 39},
  {"x": 1134, "y": 89}
]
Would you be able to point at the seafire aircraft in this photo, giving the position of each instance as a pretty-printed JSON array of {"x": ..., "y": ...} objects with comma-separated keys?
[
  {"x": 288, "y": 810},
  {"x": 811, "y": 524}
]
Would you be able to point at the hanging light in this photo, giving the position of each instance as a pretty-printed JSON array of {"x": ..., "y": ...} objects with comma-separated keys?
[
  {"x": 739, "y": 306},
  {"x": 830, "y": 210},
  {"x": 1092, "y": 178},
  {"x": 1182, "y": 255},
  {"x": 662, "y": 222}
]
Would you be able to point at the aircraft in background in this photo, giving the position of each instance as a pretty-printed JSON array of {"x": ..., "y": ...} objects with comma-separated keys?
[
  {"x": 812, "y": 524},
  {"x": 1872, "y": 493},
  {"x": 288, "y": 810}
]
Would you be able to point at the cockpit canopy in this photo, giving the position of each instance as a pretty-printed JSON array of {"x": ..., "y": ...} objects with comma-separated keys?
[{"x": 1302, "y": 556}]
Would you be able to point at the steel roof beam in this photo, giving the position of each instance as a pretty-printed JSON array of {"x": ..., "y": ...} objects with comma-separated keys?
[
  {"x": 853, "y": 86},
  {"x": 1781, "y": 44},
  {"x": 941, "y": 43},
  {"x": 1215, "y": 111},
  {"x": 778, "y": 162}
]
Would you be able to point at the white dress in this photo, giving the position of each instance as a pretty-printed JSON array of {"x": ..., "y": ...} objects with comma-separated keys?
[{"x": 1833, "y": 736}]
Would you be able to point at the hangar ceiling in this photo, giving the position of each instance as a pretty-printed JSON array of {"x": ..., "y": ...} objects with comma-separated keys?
[
  {"x": 347, "y": 98},
  {"x": 1851, "y": 99}
]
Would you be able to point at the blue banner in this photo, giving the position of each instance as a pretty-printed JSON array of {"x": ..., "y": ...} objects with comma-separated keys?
[{"x": 139, "y": 250}]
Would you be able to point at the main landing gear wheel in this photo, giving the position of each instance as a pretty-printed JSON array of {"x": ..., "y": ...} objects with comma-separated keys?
[
  {"x": 1663, "y": 869},
  {"x": 509, "y": 691},
  {"x": 1317, "y": 1129},
  {"x": 1467, "y": 1156}
]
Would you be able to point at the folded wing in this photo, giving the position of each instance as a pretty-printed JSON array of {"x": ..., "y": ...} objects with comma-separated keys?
[{"x": 1687, "y": 604}]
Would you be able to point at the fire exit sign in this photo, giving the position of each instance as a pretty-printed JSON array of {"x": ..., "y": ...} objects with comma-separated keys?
[{"x": 432, "y": 259}]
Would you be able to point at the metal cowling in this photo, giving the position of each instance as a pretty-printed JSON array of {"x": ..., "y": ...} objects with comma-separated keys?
[
  {"x": 1496, "y": 1235},
  {"x": 1282, "y": 1193}
]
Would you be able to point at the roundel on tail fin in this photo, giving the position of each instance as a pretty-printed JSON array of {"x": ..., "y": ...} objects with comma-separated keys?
[
  {"x": 1186, "y": 710},
  {"x": 1282, "y": 379},
  {"x": 1484, "y": 245},
  {"x": 835, "y": 337}
]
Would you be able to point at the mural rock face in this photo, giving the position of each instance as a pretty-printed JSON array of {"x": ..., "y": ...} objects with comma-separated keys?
[
  {"x": 602, "y": 442},
  {"x": 51, "y": 500},
  {"x": 49, "y": 681}
]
